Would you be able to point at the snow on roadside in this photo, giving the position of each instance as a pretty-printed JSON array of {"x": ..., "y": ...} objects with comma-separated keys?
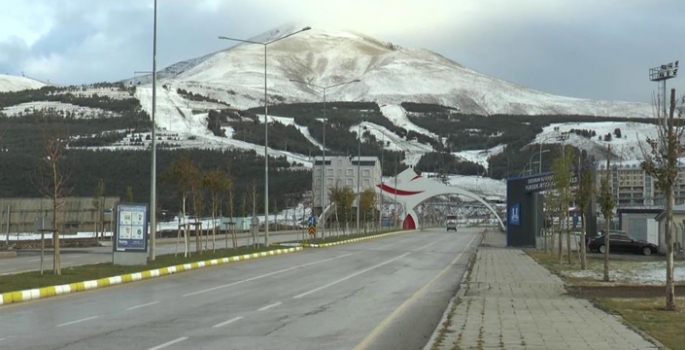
[{"x": 650, "y": 273}]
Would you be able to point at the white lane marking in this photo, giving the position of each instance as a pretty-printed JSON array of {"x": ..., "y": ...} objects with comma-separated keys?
[
  {"x": 270, "y": 306},
  {"x": 227, "y": 322},
  {"x": 77, "y": 321},
  {"x": 434, "y": 242},
  {"x": 350, "y": 276},
  {"x": 162, "y": 346},
  {"x": 266, "y": 275},
  {"x": 33, "y": 260},
  {"x": 142, "y": 305}
]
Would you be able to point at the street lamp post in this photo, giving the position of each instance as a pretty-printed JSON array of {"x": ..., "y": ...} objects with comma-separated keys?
[
  {"x": 323, "y": 147},
  {"x": 266, "y": 125},
  {"x": 359, "y": 162},
  {"x": 153, "y": 166}
]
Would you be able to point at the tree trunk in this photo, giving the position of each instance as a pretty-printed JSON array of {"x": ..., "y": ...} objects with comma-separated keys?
[
  {"x": 57, "y": 264},
  {"x": 186, "y": 240},
  {"x": 607, "y": 222},
  {"x": 561, "y": 239},
  {"x": 568, "y": 242},
  {"x": 583, "y": 246},
  {"x": 670, "y": 292}
]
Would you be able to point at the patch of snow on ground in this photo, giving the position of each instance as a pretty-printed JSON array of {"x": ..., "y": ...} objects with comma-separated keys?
[
  {"x": 647, "y": 273},
  {"x": 77, "y": 111},
  {"x": 303, "y": 129}
]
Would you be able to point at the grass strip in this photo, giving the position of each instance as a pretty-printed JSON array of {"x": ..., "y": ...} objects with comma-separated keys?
[{"x": 649, "y": 315}]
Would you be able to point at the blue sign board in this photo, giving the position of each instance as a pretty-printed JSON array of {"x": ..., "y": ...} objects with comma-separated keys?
[
  {"x": 130, "y": 228},
  {"x": 312, "y": 220},
  {"x": 514, "y": 215}
]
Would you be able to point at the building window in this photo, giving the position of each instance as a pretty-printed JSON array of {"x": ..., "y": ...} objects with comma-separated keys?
[
  {"x": 366, "y": 173},
  {"x": 350, "y": 172}
]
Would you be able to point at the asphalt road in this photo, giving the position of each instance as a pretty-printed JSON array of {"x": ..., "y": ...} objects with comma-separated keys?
[
  {"x": 29, "y": 260},
  {"x": 387, "y": 293}
]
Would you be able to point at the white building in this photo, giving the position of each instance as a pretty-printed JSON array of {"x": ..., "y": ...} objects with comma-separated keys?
[{"x": 342, "y": 171}]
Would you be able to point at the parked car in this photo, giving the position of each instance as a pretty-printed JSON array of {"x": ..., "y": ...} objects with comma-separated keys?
[{"x": 622, "y": 242}]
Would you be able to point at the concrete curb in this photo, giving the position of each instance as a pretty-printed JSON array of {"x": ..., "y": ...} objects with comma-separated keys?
[
  {"x": 463, "y": 288},
  {"x": 325, "y": 245},
  {"x": 46, "y": 292}
]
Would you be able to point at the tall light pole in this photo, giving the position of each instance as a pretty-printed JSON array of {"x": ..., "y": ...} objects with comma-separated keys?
[
  {"x": 359, "y": 162},
  {"x": 266, "y": 126},
  {"x": 323, "y": 158},
  {"x": 663, "y": 73},
  {"x": 153, "y": 167}
]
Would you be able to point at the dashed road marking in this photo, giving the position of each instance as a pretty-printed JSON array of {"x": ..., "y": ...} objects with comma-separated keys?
[
  {"x": 77, "y": 321},
  {"x": 162, "y": 346},
  {"x": 142, "y": 305},
  {"x": 270, "y": 306},
  {"x": 227, "y": 322}
]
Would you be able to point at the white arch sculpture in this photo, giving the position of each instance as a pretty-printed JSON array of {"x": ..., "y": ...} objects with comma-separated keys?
[{"x": 414, "y": 189}]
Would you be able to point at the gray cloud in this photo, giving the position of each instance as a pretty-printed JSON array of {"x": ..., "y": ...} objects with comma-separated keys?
[{"x": 574, "y": 48}]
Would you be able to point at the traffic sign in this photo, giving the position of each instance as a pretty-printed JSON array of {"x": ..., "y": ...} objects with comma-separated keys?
[{"x": 312, "y": 230}]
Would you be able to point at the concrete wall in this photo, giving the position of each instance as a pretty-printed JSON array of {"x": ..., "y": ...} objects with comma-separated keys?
[
  {"x": 679, "y": 232},
  {"x": 76, "y": 214}
]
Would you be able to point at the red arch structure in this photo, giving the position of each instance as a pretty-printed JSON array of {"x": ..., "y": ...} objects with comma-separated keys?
[{"x": 414, "y": 189}]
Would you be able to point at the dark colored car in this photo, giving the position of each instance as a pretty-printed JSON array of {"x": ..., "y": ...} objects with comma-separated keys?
[{"x": 621, "y": 242}]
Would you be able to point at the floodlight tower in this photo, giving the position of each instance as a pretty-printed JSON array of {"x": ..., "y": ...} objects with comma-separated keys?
[{"x": 661, "y": 74}]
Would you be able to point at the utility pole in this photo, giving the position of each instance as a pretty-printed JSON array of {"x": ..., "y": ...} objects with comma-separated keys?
[
  {"x": 153, "y": 169},
  {"x": 359, "y": 162}
]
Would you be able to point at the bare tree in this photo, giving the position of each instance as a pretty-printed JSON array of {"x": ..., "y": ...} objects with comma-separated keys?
[
  {"x": 234, "y": 238},
  {"x": 366, "y": 202},
  {"x": 218, "y": 183},
  {"x": 179, "y": 174},
  {"x": 129, "y": 194},
  {"x": 562, "y": 183},
  {"x": 606, "y": 203},
  {"x": 98, "y": 203},
  {"x": 342, "y": 197},
  {"x": 53, "y": 181},
  {"x": 586, "y": 190},
  {"x": 197, "y": 192},
  {"x": 661, "y": 162}
]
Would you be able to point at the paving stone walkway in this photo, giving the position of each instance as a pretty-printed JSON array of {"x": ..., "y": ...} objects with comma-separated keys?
[{"x": 512, "y": 302}]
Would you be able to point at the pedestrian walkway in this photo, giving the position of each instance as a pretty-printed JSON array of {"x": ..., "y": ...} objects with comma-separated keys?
[{"x": 512, "y": 302}]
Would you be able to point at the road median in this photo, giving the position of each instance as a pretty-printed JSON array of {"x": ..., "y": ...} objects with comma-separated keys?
[
  {"x": 88, "y": 271},
  {"x": 333, "y": 241}
]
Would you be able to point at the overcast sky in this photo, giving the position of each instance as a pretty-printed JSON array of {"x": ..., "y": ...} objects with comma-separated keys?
[{"x": 599, "y": 49}]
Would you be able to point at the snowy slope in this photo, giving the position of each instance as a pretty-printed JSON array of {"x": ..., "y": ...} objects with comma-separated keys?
[
  {"x": 388, "y": 74},
  {"x": 480, "y": 156},
  {"x": 398, "y": 116},
  {"x": 627, "y": 147},
  {"x": 413, "y": 149},
  {"x": 77, "y": 111},
  {"x": 16, "y": 83}
]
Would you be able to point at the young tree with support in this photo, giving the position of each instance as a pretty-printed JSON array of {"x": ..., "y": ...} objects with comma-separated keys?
[
  {"x": 179, "y": 174},
  {"x": 53, "y": 181},
  {"x": 98, "y": 203},
  {"x": 366, "y": 203},
  {"x": 606, "y": 204},
  {"x": 562, "y": 167},
  {"x": 218, "y": 183},
  {"x": 586, "y": 189},
  {"x": 661, "y": 162}
]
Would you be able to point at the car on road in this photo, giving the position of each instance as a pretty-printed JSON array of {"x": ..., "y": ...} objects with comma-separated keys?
[
  {"x": 451, "y": 222},
  {"x": 623, "y": 243}
]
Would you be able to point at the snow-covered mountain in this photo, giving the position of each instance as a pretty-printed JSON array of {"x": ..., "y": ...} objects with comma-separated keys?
[
  {"x": 387, "y": 73},
  {"x": 17, "y": 83}
]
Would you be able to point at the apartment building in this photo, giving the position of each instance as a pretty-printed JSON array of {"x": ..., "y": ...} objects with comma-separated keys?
[
  {"x": 633, "y": 187},
  {"x": 342, "y": 171}
]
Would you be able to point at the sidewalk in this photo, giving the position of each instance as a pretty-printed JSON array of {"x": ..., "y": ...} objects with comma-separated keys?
[{"x": 511, "y": 302}]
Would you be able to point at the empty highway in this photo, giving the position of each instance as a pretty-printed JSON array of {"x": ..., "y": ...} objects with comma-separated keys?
[{"x": 387, "y": 293}]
